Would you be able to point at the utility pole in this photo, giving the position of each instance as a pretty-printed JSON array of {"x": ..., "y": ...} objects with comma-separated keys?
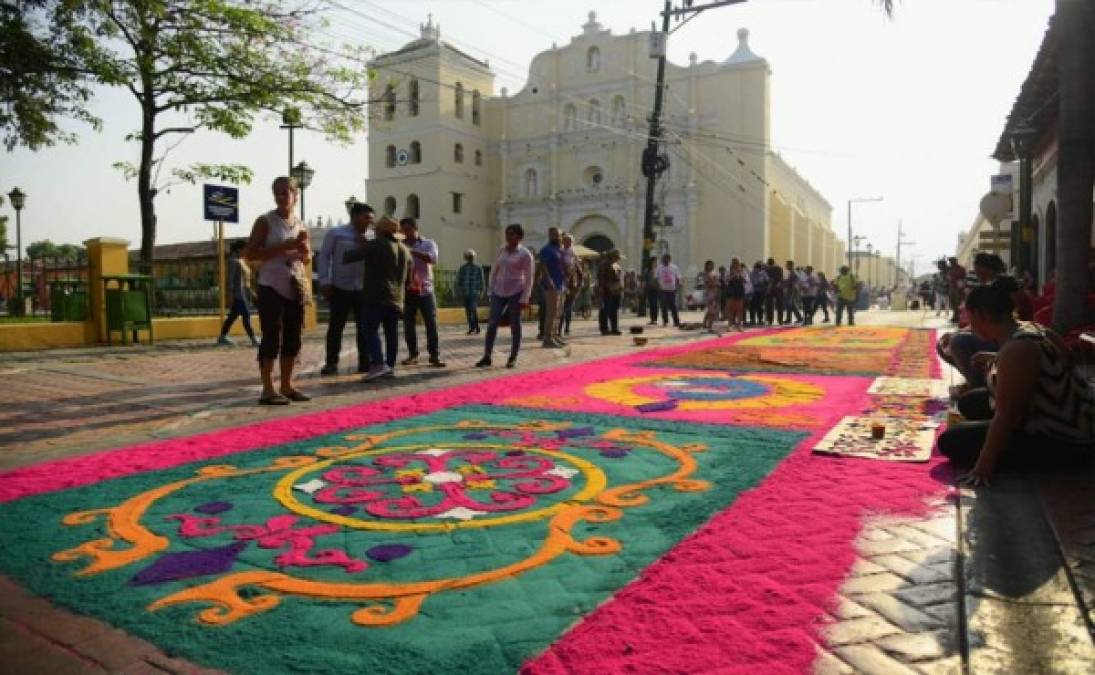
[
  {"x": 856, "y": 200},
  {"x": 653, "y": 163},
  {"x": 897, "y": 263}
]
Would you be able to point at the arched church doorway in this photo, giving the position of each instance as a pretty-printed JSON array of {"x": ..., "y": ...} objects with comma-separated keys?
[{"x": 599, "y": 243}]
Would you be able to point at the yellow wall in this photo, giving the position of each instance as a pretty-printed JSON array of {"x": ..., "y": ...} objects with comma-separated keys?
[{"x": 18, "y": 337}]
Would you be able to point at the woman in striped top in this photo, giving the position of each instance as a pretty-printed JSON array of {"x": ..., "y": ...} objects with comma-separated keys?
[{"x": 1036, "y": 413}]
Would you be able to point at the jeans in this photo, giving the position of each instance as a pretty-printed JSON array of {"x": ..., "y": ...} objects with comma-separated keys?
[
  {"x": 568, "y": 312},
  {"x": 512, "y": 307},
  {"x": 471, "y": 310},
  {"x": 809, "y": 306},
  {"x": 609, "y": 317},
  {"x": 822, "y": 303},
  {"x": 668, "y": 300},
  {"x": 388, "y": 317},
  {"x": 841, "y": 305},
  {"x": 342, "y": 303},
  {"x": 773, "y": 308},
  {"x": 959, "y": 353},
  {"x": 756, "y": 308},
  {"x": 427, "y": 306},
  {"x": 239, "y": 308},
  {"x": 790, "y": 307},
  {"x": 652, "y": 303}
]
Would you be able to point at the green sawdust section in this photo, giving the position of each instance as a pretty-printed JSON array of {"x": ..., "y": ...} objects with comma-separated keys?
[{"x": 486, "y": 629}]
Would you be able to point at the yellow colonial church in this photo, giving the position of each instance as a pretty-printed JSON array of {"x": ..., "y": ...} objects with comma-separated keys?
[{"x": 467, "y": 160}]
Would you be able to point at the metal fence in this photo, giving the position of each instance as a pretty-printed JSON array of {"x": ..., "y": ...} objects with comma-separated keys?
[
  {"x": 54, "y": 288},
  {"x": 446, "y": 292},
  {"x": 185, "y": 288}
]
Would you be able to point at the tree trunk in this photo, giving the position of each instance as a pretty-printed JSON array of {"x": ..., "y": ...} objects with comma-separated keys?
[
  {"x": 145, "y": 192},
  {"x": 1075, "y": 160}
]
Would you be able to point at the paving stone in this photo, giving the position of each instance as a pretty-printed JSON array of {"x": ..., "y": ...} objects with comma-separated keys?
[
  {"x": 850, "y": 610},
  {"x": 1020, "y": 637},
  {"x": 884, "y": 546},
  {"x": 951, "y": 665},
  {"x": 114, "y": 649},
  {"x": 853, "y": 631},
  {"x": 828, "y": 664},
  {"x": 915, "y": 646},
  {"x": 895, "y": 611},
  {"x": 909, "y": 570},
  {"x": 178, "y": 666},
  {"x": 922, "y": 595},
  {"x": 873, "y": 583},
  {"x": 871, "y": 660},
  {"x": 863, "y": 566},
  {"x": 32, "y": 654}
]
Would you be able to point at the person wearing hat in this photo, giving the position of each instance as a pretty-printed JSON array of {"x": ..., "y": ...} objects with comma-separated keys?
[
  {"x": 341, "y": 282},
  {"x": 237, "y": 289},
  {"x": 388, "y": 268},
  {"x": 469, "y": 284},
  {"x": 610, "y": 279}
]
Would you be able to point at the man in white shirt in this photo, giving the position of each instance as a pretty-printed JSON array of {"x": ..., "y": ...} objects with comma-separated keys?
[
  {"x": 420, "y": 298},
  {"x": 341, "y": 283},
  {"x": 669, "y": 280}
]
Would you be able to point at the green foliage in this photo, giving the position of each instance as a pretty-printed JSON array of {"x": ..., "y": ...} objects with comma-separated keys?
[
  {"x": 211, "y": 65},
  {"x": 47, "y": 249},
  {"x": 41, "y": 78}
]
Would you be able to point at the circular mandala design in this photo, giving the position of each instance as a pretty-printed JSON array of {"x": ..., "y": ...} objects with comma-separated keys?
[
  {"x": 424, "y": 488},
  {"x": 684, "y": 392}
]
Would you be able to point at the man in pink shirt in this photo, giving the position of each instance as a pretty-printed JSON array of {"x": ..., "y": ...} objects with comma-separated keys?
[{"x": 510, "y": 287}]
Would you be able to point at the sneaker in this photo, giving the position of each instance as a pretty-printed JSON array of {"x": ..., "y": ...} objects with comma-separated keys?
[
  {"x": 255, "y": 342},
  {"x": 511, "y": 362},
  {"x": 225, "y": 340},
  {"x": 376, "y": 372},
  {"x": 410, "y": 360},
  {"x": 390, "y": 375},
  {"x": 362, "y": 368},
  {"x": 551, "y": 344},
  {"x": 483, "y": 362},
  {"x": 328, "y": 370},
  {"x": 436, "y": 362}
]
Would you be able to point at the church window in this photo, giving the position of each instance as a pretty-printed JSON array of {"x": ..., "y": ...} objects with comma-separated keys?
[
  {"x": 458, "y": 153},
  {"x": 619, "y": 111},
  {"x": 570, "y": 117},
  {"x": 389, "y": 206},
  {"x": 476, "y": 103},
  {"x": 532, "y": 187},
  {"x": 412, "y": 210},
  {"x": 593, "y": 59},
  {"x": 459, "y": 100},
  {"x": 457, "y": 202},
  {"x": 416, "y": 152},
  {"x": 389, "y": 159},
  {"x": 595, "y": 113},
  {"x": 479, "y": 158},
  {"x": 389, "y": 103},
  {"x": 413, "y": 87}
]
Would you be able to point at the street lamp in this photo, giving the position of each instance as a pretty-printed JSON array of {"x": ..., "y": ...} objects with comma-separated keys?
[
  {"x": 350, "y": 205},
  {"x": 853, "y": 251},
  {"x": 303, "y": 173},
  {"x": 856, "y": 200},
  {"x": 1023, "y": 139},
  {"x": 18, "y": 201},
  {"x": 290, "y": 119}
]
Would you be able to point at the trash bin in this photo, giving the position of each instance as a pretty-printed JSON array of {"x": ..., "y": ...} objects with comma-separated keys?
[
  {"x": 128, "y": 300},
  {"x": 67, "y": 300}
]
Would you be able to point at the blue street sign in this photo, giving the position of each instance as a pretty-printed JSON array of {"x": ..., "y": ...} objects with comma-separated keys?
[{"x": 222, "y": 203}]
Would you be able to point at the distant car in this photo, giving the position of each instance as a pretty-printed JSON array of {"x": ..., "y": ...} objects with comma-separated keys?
[{"x": 694, "y": 299}]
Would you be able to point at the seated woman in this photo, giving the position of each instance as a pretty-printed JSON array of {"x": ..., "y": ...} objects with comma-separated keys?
[{"x": 1036, "y": 413}]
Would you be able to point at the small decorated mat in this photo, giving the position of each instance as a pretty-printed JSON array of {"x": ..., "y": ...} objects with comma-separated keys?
[{"x": 891, "y": 439}]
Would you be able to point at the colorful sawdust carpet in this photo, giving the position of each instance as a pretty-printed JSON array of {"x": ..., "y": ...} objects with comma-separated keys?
[{"x": 604, "y": 517}]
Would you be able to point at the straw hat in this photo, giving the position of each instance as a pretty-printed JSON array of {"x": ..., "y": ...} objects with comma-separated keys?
[{"x": 388, "y": 225}]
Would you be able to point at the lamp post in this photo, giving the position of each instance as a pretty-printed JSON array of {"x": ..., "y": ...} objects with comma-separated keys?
[
  {"x": 897, "y": 263},
  {"x": 853, "y": 252},
  {"x": 303, "y": 173},
  {"x": 856, "y": 200},
  {"x": 18, "y": 201},
  {"x": 290, "y": 119}
]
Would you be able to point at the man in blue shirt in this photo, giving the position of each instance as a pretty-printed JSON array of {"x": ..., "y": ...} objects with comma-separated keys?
[
  {"x": 553, "y": 283},
  {"x": 341, "y": 282}
]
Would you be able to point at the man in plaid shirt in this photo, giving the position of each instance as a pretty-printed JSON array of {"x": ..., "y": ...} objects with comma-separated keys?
[{"x": 469, "y": 284}]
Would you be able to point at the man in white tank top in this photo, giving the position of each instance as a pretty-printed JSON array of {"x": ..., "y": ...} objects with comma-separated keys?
[{"x": 280, "y": 243}]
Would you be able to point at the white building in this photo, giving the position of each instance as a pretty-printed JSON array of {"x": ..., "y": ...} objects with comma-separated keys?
[{"x": 565, "y": 150}]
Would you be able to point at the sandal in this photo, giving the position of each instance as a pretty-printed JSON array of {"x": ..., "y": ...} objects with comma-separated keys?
[
  {"x": 297, "y": 396},
  {"x": 274, "y": 399}
]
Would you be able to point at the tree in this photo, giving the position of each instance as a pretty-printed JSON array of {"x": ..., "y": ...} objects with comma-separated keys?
[
  {"x": 40, "y": 80},
  {"x": 208, "y": 65}
]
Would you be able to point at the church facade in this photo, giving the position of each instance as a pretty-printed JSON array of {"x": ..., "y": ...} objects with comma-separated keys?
[{"x": 565, "y": 150}]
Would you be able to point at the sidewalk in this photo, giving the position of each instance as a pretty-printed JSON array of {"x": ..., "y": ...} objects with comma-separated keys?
[{"x": 993, "y": 580}]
